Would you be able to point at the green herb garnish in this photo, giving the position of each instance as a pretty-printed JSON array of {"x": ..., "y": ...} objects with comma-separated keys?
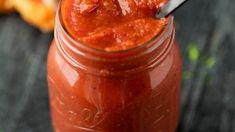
[{"x": 193, "y": 52}]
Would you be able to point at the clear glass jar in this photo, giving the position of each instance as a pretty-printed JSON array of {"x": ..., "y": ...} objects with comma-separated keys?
[{"x": 135, "y": 90}]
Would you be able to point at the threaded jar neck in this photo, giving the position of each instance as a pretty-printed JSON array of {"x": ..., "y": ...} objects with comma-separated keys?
[{"x": 119, "y": 62}]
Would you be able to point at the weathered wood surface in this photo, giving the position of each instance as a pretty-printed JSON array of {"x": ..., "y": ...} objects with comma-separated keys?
[{"x": 208, "y": 95}]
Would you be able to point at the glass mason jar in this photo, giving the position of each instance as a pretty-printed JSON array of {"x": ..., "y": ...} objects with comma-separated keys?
[{"x": 135, "y": 90}]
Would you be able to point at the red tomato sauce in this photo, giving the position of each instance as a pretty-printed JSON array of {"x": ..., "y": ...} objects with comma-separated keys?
[
  {"x": 94, "y": 89},
  {"x": 112, "y": 25}
]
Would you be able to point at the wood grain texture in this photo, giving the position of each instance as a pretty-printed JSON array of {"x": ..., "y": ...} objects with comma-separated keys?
[
  {"x": 203, "y": 102},
  {"x": 23, "y": 91},
  {"x": 208, "y": 96}
]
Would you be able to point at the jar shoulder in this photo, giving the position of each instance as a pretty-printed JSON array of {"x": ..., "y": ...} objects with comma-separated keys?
[{"x": 59, "y": 70}]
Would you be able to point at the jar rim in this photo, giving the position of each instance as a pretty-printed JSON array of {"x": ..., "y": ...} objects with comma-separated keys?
[{"x": 60, "y": 28}]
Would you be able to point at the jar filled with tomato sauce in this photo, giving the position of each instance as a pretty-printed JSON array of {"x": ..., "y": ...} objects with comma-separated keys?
[{"x": 98, "y": 88}]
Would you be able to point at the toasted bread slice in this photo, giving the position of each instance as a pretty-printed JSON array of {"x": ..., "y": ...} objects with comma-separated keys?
[
  {"x": 40, "y": 13},
  {"x": 6, "y": 6}
]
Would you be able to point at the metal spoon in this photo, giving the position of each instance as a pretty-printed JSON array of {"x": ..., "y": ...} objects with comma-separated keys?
[{"x": 169, "y": 7}]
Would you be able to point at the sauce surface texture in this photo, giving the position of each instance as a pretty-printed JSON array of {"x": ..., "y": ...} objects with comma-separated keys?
[{"x": 112, "y": 25}]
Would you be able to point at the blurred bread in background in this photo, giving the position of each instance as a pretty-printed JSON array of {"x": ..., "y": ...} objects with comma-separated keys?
[
  {"x": 6, "y": 6},
  {"x": 39, "y": 13}
]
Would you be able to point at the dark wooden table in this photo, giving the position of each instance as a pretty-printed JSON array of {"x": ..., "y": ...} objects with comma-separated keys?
[{"x": 208, "y": 91}]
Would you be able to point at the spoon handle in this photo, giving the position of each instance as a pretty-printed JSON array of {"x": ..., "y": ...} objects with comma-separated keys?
[{"x": 169, "y": 7}]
